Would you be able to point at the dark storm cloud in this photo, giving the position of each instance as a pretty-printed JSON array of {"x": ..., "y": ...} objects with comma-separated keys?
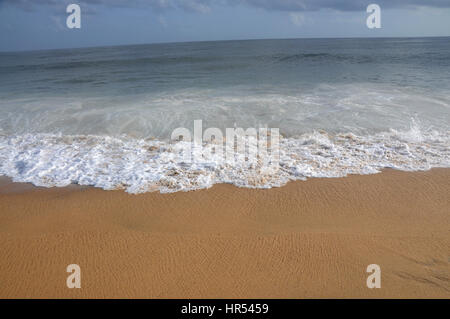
[{"x": 271, "y": 5}]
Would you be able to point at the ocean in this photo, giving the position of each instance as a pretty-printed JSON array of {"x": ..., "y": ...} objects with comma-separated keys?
[{"x": 104, "y": 116}]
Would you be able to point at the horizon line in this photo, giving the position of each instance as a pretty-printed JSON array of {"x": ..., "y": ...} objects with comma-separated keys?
[{"x": 227, "y": 40}]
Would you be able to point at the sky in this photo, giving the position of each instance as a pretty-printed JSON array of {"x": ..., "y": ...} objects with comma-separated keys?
[{"x": 41, "y": 24}]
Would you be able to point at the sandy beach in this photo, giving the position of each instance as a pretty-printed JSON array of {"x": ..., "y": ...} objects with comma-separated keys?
[{"x": 311, "y": 239}]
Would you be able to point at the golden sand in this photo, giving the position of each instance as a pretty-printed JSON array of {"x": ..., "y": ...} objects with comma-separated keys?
[{"x": 304, "y": 240}]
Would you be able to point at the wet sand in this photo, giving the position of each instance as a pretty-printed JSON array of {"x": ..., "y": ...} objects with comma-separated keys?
[{"x": 311, "y": 239}]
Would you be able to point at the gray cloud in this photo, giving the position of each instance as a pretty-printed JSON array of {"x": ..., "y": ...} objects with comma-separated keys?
[
  {"x": 204, "y": 5},
  {"x": 341, "y": 5}
]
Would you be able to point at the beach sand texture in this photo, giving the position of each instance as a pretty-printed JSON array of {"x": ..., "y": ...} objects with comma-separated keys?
[{"x": 304, "y": 240}]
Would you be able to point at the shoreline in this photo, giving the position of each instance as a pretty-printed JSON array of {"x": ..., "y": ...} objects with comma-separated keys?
[{"x": 307, "y": 239}]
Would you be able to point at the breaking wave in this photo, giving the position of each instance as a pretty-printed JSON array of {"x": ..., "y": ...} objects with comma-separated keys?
[{"x": 144, "y": 165}]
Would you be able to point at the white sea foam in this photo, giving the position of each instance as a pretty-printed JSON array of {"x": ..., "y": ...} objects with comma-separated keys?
[
  {"x": 139, "y": 165},
  {"x": 334, "y": 108}
]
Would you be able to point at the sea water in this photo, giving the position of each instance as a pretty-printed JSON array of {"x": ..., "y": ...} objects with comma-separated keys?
[{"x": 104, "y": 116}]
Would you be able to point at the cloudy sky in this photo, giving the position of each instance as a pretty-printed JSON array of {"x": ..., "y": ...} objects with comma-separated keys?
[{"x": 41, "y": 24}]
